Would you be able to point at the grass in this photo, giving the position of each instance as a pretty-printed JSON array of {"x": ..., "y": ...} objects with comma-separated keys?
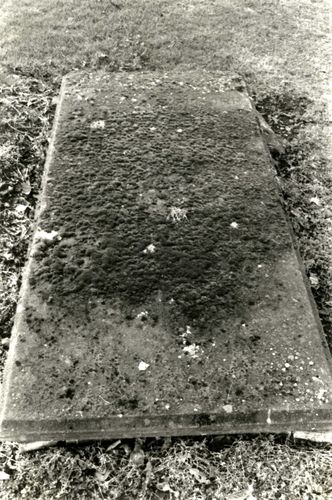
[
  {"x": 182, "y": 469},
  {"x": 258, "y": 38},
  {"x": 282, "y": 49}
]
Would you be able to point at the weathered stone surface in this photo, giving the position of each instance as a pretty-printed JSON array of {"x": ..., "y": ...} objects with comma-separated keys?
[
  {"x": 163, "y": 294},
  {"x": 316, "y": 437}
]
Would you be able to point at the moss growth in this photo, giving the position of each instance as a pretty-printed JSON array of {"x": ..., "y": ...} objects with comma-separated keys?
[{"x": 169, "y": 201}]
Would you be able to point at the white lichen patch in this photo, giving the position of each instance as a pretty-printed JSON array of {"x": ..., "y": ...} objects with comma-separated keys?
[
  {"x": 177, "y": 214},
  {"x": 192, "y": 350},
  {"x": 143, "y": 366},
  {"x": 315, "y": 200},
  {"x": 142, "y": 315},
  {"x": 98, "y": 124},
  {"x": 150, "y": 248},
  {"x": 185, "y": 333},
  {"x": 321, "y": 395},
  {"x": 228, "y": 408},
  {"x": 44, "y": 235},
  {"x": 317, "y": 380}
]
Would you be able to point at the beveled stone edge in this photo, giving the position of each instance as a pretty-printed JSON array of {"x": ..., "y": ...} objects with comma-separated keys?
[
  {"x": 262, "y": 421},
  {"x": 314, "y": 308},
  {"x": 24, "y": 289}
]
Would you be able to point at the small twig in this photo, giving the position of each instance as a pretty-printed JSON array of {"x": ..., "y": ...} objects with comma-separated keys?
[
  {"x": 101, "y": 397},
  {"x": 16, "y": 130},
  {"x": 5, "y": 229},
  {"x": 117, "y": 6}
]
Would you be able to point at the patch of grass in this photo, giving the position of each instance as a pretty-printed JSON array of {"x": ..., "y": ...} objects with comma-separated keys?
[
  {"x": 282, "y": 49},
  {"x": 258, "y": 38},
  {"x": 26, "y": 113},
  {"x": 178, "y": 469},
  {"x": 305, "y": 177}
]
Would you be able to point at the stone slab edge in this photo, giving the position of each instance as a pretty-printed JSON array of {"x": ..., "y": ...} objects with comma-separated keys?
[
  {"x": 264, "y": 421},
  {"x": 314, "y": 308},
  {"x": 4, "y": 387},
  {"x": 316, "y": 437}
]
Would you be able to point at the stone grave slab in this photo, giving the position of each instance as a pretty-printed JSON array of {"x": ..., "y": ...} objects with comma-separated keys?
[{"x": 162, "y": 294}]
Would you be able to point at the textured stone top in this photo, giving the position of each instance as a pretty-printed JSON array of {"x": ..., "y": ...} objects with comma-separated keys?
[{"x": 163, "y": 294}]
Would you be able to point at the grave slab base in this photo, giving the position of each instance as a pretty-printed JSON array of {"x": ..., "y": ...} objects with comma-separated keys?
[{"x": 163, "y": 294}]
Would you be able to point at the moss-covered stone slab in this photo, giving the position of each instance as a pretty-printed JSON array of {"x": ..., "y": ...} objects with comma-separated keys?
[{"x": 163, "y": 294}]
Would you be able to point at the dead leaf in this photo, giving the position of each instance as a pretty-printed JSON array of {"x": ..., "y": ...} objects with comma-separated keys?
[
  {"x": 4, "y": 476},
  {"x": 167, "y": 443},
  {"x": 35, "y": 445},
  {"x": 102, "y": 476},
  {"x": 148, "y": 475},
  {"x": 137, "y": 457},
  {"x": 5, "y": 342},
  {"x": 113, "y": 445},
  {"x": 163, "y": 487},
  {"x": 126, "y": 449},
  {"x": 26, "y": 187},
  {"x": 199, "y": 476},
  {"x": 21, "y": 208},
  {"x": 314, "y": 280},
  {"x": 242, "y": 495}
]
